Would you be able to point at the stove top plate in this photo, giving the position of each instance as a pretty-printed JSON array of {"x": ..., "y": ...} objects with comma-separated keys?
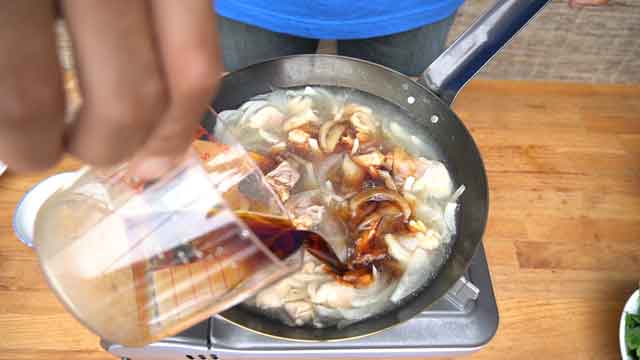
[{"x": 442, "y": 330}]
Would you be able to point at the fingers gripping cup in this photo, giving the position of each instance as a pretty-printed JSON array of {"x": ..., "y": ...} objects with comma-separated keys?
[{"x": 136, "y": 262}]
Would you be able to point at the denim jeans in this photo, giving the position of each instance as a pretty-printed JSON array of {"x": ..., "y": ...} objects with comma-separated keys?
[{"x": 408, "y": 52}]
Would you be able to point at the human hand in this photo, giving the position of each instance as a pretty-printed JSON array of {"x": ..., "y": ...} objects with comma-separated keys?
[
  {"x": 147, "y": 71},
  {"x": 580, "y": 3}
]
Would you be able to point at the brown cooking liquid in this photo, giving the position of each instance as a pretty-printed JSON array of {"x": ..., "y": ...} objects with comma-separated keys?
[
  {"x": 278, "y": 234},
  {"x": 282, "y": 238}
]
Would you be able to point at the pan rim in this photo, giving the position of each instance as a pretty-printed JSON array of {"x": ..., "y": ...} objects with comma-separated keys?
[{"x": 482, "y": 178}]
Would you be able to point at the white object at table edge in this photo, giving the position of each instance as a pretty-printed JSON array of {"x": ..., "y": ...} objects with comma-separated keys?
[{"x": 27, "y": 209}]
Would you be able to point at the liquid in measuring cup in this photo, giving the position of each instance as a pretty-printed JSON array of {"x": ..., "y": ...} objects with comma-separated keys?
[
  {"x": 136, "y": 295},
  {"x": 137, "y": 264}
]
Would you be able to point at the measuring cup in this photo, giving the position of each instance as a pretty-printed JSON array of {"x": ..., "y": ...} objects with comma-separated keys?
[{"x": 136, "y": 262}]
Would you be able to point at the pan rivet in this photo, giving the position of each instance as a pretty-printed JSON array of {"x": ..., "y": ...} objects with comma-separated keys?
[
  {"x": 434, "y": 118},
  {"x": 411, "y": 99}
]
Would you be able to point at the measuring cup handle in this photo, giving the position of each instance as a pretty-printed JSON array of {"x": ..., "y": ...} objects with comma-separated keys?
[{"x": 448, "y": 74}]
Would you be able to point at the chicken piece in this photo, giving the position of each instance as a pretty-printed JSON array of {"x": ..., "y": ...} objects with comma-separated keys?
[
  {"x": 434, "y": 182},
  {"x": 333, "y": 294},
  {"x": 404, "y": 165},
  {"x": 300, "y": 312},
  {"x": 374, "y": 158},
  {"x": 301, "y": 119},
  {"x": 309, "y": 217},
  {"x": 282, "y": 179},
  {"x": 273, "y": 296},
  {"x": 267, "y": 118},
  {"x": 299, "y": 140}
]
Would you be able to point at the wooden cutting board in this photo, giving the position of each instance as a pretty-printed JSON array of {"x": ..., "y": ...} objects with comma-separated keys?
[{"x": 563, "y": 238}]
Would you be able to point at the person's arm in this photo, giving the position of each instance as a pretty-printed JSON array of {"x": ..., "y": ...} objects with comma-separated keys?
[{"x": 147, "y": 71}]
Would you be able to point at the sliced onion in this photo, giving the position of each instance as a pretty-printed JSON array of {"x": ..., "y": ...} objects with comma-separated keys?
[
  {"x": 355, "y": 147},
  {"x": 326, "y": 165},
  {"x": 388, "y": 180},
  {"x": 268, "y": 117},
  {"x": 300, "y": 119},
  {"x": 355, "y": 315},
  {"x": 369, "y": 303},
  {"x": 303, "y": 199},
  {"x": 431, "y": 213},
  {"x": 277, "y": 99},
  {"x": 327, "y": 312},
  {"x": 325, "y": 105},
  {"x": 269, "y": 137},
  {"x": 403, "y": 164},
  {"x": 417, "y": 272},
  {"x": 353, "y": 174},
  {"x": 379, "y": 290},
  {"x": 396, "y": 250},
  {"x": 333, "y": 137},
  {"x": 435, "y": 182},
  {"x": 329, "y": 135},
  {"x": 310, "y": 181},
  {"x": 299, "y": 104},
  {"x": 335, "y": 233},
  {"x": 250, "y": 108},
  {"x": 457, "y": 193},
  {"x": 450, "y": 217},
  {"x": 230, "y": 117},
  {"x": 377, "y": 195}
]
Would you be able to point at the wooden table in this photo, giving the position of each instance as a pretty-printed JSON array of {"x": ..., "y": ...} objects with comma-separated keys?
[{"x": 564, "y": 170}]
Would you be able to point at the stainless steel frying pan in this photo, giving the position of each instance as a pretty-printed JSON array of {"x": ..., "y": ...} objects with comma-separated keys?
[{"x": 427, "y": 102}]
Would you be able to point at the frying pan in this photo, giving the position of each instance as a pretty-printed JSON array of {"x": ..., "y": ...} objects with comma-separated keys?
[{"x": 427, "y": 102}]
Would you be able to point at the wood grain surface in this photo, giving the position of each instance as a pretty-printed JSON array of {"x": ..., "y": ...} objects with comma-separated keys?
[{"x": 562, "y": 240}]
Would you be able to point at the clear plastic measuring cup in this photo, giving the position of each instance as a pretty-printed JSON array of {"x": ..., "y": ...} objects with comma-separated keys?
[{"x": 138, "y": 262}]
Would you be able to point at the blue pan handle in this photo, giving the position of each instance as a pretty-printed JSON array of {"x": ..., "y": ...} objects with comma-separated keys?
[{"x": 448, "y": 74}]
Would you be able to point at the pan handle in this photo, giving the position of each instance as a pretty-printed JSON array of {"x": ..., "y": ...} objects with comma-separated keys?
[{"x": 448, "y": 74}]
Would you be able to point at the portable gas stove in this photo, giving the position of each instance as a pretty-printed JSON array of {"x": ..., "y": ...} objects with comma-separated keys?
[{"x": 460, "y": 323}]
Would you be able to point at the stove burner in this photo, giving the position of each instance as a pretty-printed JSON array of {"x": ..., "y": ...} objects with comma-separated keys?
[{"x": 460, "y": 323}]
